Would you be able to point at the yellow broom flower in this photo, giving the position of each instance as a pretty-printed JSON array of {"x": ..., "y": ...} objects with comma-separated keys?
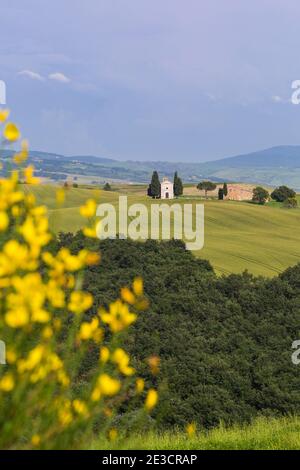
[
  {"x": 4, "y": 113},
  {"x": 11, "y": 132},
  {"x": 151, "y": 399}
]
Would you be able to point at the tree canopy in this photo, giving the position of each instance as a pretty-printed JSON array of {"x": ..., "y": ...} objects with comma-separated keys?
[
  {"x": 177, "y": 185},
  {"x": 206, "y": 186},
  {"x": 154, "y": 187},
  {"x": 282, "y": 193},
  {"x": 224, "y": 343},
  {"x": 107, "y": 187},
  {"x": 260, "y": 195}
]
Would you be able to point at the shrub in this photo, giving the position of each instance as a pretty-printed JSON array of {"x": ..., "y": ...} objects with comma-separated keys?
[
  {"x": 48, "y": 398},
  {"x": 206, "y": 186},
  {"x": 282, "y": 193},
  {"x": 260, "y": 195},
  {"x": 224, "y": 343},
  {"x": 107, "y": 187},
  {"x": 290, "y": 203}
]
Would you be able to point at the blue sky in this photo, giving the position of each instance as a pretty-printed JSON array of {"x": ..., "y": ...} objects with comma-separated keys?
[{"x": 185, "y": 80}]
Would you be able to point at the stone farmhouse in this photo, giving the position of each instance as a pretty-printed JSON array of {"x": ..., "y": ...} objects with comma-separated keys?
[{"x": 239, "y": 192}]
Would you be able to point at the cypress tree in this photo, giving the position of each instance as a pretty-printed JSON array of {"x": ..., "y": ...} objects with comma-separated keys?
[
  {"x": 225, "y": 189},
  {"x": 154, "y": 189},
  {"x": 178, "y": 186}
]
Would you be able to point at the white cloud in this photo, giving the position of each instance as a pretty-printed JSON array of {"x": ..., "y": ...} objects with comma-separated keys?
[
  {"x": 277, "y": 99},
  {"x": 59, "y": 77},
  {"x": 31, "y": 74}
]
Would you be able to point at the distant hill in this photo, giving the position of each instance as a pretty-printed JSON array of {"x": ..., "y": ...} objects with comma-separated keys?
[
  {"x": 272, "y": 166},
  {"x": 287, "y": 156}
]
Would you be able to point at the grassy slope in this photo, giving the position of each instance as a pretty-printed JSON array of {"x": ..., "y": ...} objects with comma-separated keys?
[
  {"x": 262, "y": 434},
  {"x": 238, "y": 235}
]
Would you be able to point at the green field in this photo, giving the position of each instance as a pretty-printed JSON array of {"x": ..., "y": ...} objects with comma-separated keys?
[
  {"x": 262, "y": 434},
  {"x": 238, "y": 235}
]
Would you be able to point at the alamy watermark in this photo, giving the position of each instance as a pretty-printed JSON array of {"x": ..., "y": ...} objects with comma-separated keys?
[
  {"x": 295, "y": 356},
  {"x": 159, "y": 221},
  {"x": 2, "y": 92},
  {"x": 2, "y": 353}
]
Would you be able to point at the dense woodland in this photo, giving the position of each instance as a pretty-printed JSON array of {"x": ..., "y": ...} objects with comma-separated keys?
[{"x": 224, "y": 343}]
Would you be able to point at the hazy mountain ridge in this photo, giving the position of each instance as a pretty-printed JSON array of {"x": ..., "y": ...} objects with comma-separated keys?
[{"x": 273, "y": 166}]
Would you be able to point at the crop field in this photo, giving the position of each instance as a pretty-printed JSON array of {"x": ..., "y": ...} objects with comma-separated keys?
[{"x": 265, "y": 240}]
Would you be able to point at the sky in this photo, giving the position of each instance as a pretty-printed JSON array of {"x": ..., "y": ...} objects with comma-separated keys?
[{"x": 176, "y": 80}]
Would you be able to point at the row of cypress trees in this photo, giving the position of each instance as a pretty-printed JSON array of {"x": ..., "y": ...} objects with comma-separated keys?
[{"x": 154, "y": 186}]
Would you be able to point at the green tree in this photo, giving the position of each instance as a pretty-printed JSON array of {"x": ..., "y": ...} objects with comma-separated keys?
[
  {"x": 290, "y": 203},
  {"x": 178, "y": 186},
  {"x": 221, "y": 194},
  {"x": 107, "y": 187},
  {"x": 206, "y": 186},
  {"x": 282, "y": 193},
  {"x": 225, "y": 189},
  {"x": 154, "y": 188},
  {"x": 260, "y": 195},
  {"x": 204, "y": 362}
]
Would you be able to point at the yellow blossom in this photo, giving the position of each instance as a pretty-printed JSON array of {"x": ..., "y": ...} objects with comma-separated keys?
[
  {"x": 15, "y": 256},
  {"x": 28, "y": 174},
  {"x": 80, "y": 301},
  {"x": 105, "y": 385},
  {"x": 17, "y": 319},
  {"x": 92, "y": 258},
  {"x": 112, "y": 434},
  {"x": 35, "y": 231},
  {"x": 11, "y": 132},
  {"x": 191, "y": 429},
  {"x": 4, "y": 113},
  {"x": 33, "y": 359},
  {"x": 138, "y": 287},
  {"x": 4, "y": 221},
  {"x": 7, "y": 383},
  {"x": 90, "y": 330},
  {"x": 127, "y": 295},
  {"x": 104, "y": 354},
  {"x": 35, "y": 440},
  {"x": 55, "y": 294},
  {"x": 154, "y": 363},
  {"x": 63, "y": 378},
  {"x": 151, "y": 399},
  {"x": 21, "y": 156},
  {"x": 90, "y": 232},
  {"x": 47, "y": 332},
  {"x": 16, "y": 211},
  {"x": 122, "y": 359},
  {"x": 11, "y": 356},
  {"x": 80, "y": 407},
  {"x": 89, "y": 208},
  {"x": 119, "y": 317},
  {"x": 65, "y": 417},
  {"x": 139, "y": 385},
  {"x": 96, "y": 394},
  {"x": 27, "y": 301}
]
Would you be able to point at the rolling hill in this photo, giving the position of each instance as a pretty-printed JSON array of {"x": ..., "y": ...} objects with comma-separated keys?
[
  {"x": 273, "y": 167},
  {"x": 262, "y": 239}
]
